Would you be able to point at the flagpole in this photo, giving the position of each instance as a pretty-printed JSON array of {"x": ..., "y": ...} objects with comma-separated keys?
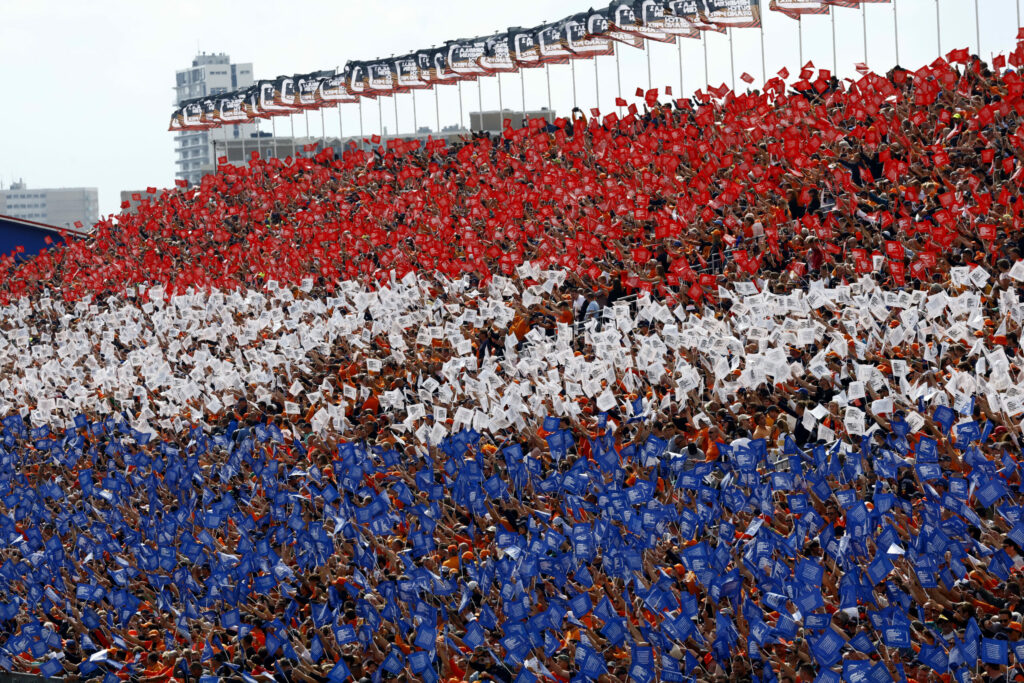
[
  {"x": 864, "y": 23},
  {"x": 259, "y": 146},
  {"x": 938, "y": 26},
  {"x": 462, "y": 117},
  {"x": 732, "y": 63},
  {"x": 362, "y": 137},
  {"x": 341, "y": 131},
  {"x": 437, "y": 108},
  {"x": 977, "y": 28},
  {"x": 479, "y": 102},
  {"x": 323, "y": 129},
  {"x": 764, "y": 68},
  {"x": 896, "y": 30},
  {"x": 501, "y": 101},
  {"x": 835, "y": 62},
  {"x": 679, "y": 44},
  {"x": 547, "y": 72},
  {"x": 306, "y": 112},
  {"x": 380, "y": 116},
  {"x": 572, "y": 67},
  {"x": 415, "y": 119},
  {"x": 597, "y": 85},
  {"x": 707, "y": 79},
  {"x": 522, "y": 91},
  {"x": 800, "y": 35},
  {"x": 618, "y": 73},
  {"x": 273, "y": 135},
  {"x": 647, "y": 51},
  {"x": 394, "y": 101},
  {"x": 291, "y": 122}
]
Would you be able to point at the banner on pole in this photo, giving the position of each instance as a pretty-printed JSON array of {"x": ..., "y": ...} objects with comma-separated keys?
[
  {"x": 622, "y": 12},
  {"x": 586, "y": 35},
  {"x": 333, "y": 91},
  {"x": 357, "y": 78},
  {"x": 497, "y": 57},
  {"x": 463, "y": 58},
  {"x": 407, "y": 73},
  {"x": 694, "y": 12},
  {"x": 795, "y": 8},
  {"x": 380, "y": 77},
  {"x": 734, "y": 13},
  {"x": 525, "y": 52},
  {"x": 552, "y": 44}
]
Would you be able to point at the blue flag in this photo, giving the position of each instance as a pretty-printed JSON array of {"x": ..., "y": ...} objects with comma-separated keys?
[{"x": 339, "y": 673}]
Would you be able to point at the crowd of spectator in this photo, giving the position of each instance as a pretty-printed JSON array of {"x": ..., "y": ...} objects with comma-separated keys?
[{"x": 727, "y": 388}]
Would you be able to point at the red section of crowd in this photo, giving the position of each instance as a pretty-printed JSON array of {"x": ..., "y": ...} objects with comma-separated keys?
[{"x": 654, "y": 197}]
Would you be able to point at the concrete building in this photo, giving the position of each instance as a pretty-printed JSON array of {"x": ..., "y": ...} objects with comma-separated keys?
[
  {"x": 493, "y": 121},
  {"x": 61, "y": 207},
  {"x": 210, "y": 74},
  {"x": 132, "y": 199},
  {"x": 240, "y": 150}
]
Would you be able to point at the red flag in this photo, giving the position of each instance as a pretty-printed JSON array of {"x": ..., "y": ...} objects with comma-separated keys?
[{"x": 958, "y": 56}]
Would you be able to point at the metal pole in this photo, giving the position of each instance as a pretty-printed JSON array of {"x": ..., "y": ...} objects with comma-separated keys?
[
  {"x": 380, "y": 116},
  {"x": 938, "y": 26},
  {"x": 341, "y": 134},
  {"x": 501, "y": 100},
  {"x": 479, "y": 102},
  {"x": 800, "y": 33},
  {"x": 307, "y": 123},
  {"x": 864, "y": 23},
  {"x": 291, "y": 120},
  {"x": 618, "y": 72},
  {"x": 572, "y": 65},
  {"x": 462, "y": 118},
  {"x": 835, "y": 62},
  {"x": 522, "y": 88},
  {"x": 977, "y": 28},
  {"x": 764, "y": 68},
  {"x": 394, "y": 100},
  {"x": 547, "y": 72},
  {"x": 707, "y": 79},
  {"x": 273, "y": 135},
  {"x": 323, "y": 130},
  {"x": 597, "y": 85},
  {"x": 259, "y": 145},
  {"x": 362, "y": 137},
  {"x": 415, "y": 121},
  {"x": 679, "y": 44},
  {"x": 647, "y": 51},
  {"x": 896, "y": 30},
  {"x": 732, "y": 63},
  {"x": 437, "y": 110}
]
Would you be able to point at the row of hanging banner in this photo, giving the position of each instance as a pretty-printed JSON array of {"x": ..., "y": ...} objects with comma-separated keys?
[{"x": 584, "y": 35}]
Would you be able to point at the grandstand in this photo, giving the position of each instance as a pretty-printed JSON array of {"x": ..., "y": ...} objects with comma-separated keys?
[{"x": 726, "y": 388}]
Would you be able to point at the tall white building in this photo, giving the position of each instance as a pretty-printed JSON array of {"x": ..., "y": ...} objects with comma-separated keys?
[
  {"x": 209, "y": 75},
  {"x": 61, "y": 207}
]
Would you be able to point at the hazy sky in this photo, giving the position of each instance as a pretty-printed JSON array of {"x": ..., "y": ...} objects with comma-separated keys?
[{"x": 90, "y": 83}]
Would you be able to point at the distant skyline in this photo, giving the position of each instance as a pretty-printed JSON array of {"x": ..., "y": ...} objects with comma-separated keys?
[{"x": 91, "y": 84}]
